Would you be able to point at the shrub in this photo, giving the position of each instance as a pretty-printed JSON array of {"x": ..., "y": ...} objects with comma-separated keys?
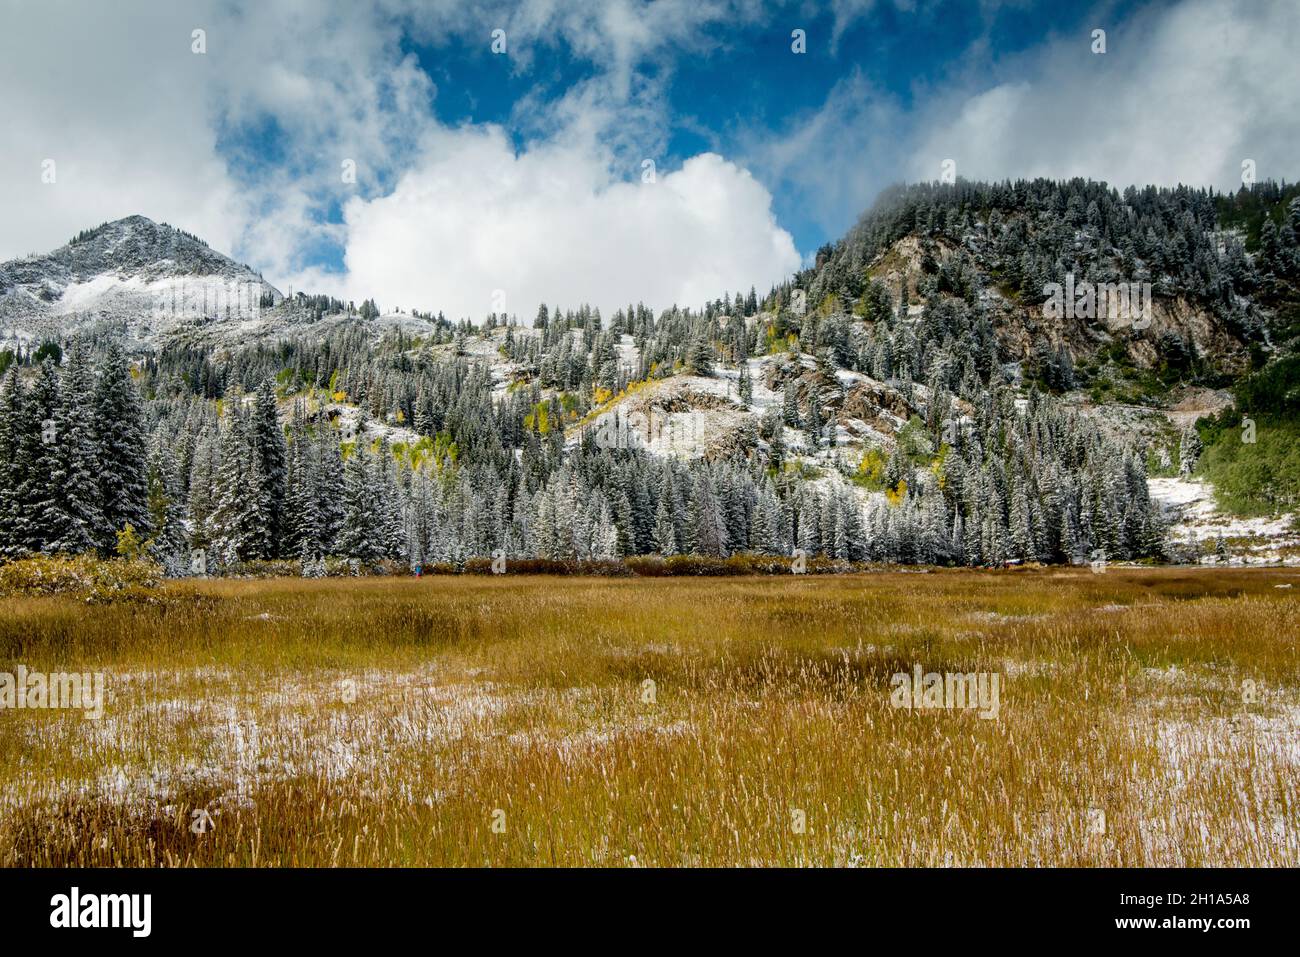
[
  {"x": 263, "y": 568},
  {"x": 609, "y": 568},
  {"x": 695, "y": 565},
  {"x": 129, "y": 544},
  {"x": 86, "y": 576},
  {"x": 647, "y": 566},
  {"x": 1260, "y": 478}
]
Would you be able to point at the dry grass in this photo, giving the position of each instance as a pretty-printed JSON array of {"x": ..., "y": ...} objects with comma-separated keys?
[{"x": 1121, "y": 693}]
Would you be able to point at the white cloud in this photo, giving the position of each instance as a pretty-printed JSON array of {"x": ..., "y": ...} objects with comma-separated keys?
[
  {"x": 833, "y": 161},
  {"x": 439, "y": 218},
  {"x": 114, "y": 102},
  {"x": 138, "y": 123},
  {"x": 552, "y": 225},
  {"x": 1182, "y": 95}
]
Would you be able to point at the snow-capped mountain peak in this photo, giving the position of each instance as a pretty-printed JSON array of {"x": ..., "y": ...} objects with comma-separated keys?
[{"x": 148, "y": 275}]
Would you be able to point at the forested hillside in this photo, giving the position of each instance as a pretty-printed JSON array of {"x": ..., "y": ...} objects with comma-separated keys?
[{"x": 907, "y": 399}]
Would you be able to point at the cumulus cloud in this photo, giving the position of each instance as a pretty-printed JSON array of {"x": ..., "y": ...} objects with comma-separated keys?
[
  {"x": 243, "y": 145},
  {"x": 1181, "y": 95},
  {"x": 477, "y": 226},
  {"x": 832, "y": 161},
  {"x": 137, "y": 122},
  {"x": 116, "y": 104}
]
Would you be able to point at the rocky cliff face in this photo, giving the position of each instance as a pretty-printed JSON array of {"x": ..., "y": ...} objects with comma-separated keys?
[{"x": 1026, "y": 328}]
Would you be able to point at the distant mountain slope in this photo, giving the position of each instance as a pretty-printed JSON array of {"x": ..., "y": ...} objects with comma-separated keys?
[
  {"x": 146, "y": 276},
  {"x": 913, "y": 397},
  {"x": 1222, "y": 273},
  {"x": 951, "y": 283}
]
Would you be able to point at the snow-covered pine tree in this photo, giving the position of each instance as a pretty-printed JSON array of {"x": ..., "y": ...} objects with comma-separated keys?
[
  {"x": 266, "y": 438},
  {"x": 1021, "y": 537},
  {"x": 604, "y": 537},
  {"x": 360, "y": 537},
  {"x": 202, "y": 506},
  {"x": 790, "y": 406},
  {"x": 665, "y": 534},
  {"x": 165, "y": 508},
  {"x": 545, "y": 536},
  {"x": 1189, "y": 450},
  {"x": 239, "y": 520},
  {"x": 392, "y": 521},
  {"x": 810, "y": 539},
  {"x": 329, "y": 487},
  {"x": 301, "y": 520},
  {"x": 76, "y": 474},
  {"x": 43, "y": 519},
  {"x": 710, "y": 525},
  {"x": 700, "y": 357},
  {"x": 13, "y": 464},
  {"x": 120, "y": 447}
]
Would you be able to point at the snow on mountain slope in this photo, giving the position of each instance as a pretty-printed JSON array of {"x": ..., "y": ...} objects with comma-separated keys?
[
  {"x": 145, "y": 276},
  {"x": 1189, "y": 508},
  {"x": 690, "y": 417},
  {"x": 1022, "y": 325},
  {"x": 684, "y": 416}
]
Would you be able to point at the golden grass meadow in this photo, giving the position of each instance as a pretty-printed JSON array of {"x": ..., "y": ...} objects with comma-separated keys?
[{"x": 1146, "y": 717}]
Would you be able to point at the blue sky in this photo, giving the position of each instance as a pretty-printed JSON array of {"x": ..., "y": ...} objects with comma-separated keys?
[
  {"x": 747, "y": 80},
  {"x": 484, "y": 177}
]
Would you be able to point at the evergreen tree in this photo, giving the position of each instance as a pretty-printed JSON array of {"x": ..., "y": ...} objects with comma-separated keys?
[
  {"x": 13, "y": 465},
  {"x": 329, "y": 487},
  {"x": 240, "y": 519},
  {"x": 1189, "y": 450},
  {"x": 42, "y": 519},
  {"x": 268, "y": 444},
  {"x": 76, "y": 472},
  {"x": 164, "y": 505},
  {"x": 120, "y": 449},
  {"x": 700, "y": 357},
  {"x": 203, "y": 499},
  {"x": 362, "y": 529},
  {"x": 1021, "y": 533},
  {"x": 709, "y": 522}
]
